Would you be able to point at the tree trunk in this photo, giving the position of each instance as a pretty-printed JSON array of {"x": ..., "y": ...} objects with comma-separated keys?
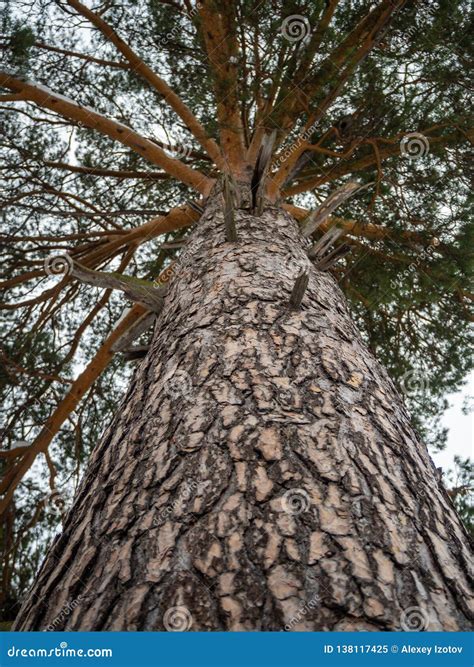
[{"x": 261, "y": 472}]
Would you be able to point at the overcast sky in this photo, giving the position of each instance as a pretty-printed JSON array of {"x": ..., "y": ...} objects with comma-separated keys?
[{"x": 461, "y": 428}]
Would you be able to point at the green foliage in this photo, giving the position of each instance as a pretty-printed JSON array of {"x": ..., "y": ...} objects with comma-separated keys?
[
  {"x": 460, "y": 487},
  {"x": 21, "y": 39}
]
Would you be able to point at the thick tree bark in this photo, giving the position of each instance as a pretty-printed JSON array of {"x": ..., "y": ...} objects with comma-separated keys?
[{"x": 261, "y": 473}]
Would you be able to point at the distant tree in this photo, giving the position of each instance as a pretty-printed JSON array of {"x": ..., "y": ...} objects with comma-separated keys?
[{"x": 263, "y": 181}]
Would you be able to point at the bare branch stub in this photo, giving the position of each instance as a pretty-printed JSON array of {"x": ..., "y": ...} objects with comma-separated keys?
[
  {"x": 140, "y": 291},
  {"x": 135, "y": 353},
  {"x": 334, "y": 200},
  {"x": 328, "y": 261},
  {"x": 260, "y": 172},
  {"x": 325, "y": 241},
  {"x": 299, "y": 289},
  {"x": 229, "y": 209},
  {"x": 143, "y": 323}
]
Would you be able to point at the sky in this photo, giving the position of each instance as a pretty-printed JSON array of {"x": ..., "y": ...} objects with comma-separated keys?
[{"x": 461, "y": 428}]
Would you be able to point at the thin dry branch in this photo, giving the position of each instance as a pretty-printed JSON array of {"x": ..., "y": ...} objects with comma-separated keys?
[
  {"x": 113, "y": 173},
  {"x": 371, "y": 160},
  {"x": 297, "y": 70},
  {"x": 21, "y": 460},
  {"x": 363, "y": 230},
  {"x": 44, "y": 97},
  {"x": 141, "y": 291},
  {"x": 345, "y": 59},
  {"x": 177, "y": 218},
  {"x": 137, "y": 64},
  {"x": 82, "y": 56},
  {"x": 25, "y": 457},
  {"x": 329, "y": 205}
]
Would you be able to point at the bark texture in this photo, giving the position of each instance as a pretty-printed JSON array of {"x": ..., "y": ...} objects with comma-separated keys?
[{"x": 261, "y": 473}]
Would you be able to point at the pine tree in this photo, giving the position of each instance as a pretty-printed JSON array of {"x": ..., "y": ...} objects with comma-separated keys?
[{"x": 281, "y": 192}]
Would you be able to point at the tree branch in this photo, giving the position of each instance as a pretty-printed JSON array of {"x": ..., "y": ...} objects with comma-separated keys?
[
  {"x": 364, "y": 230},
  {"x": 137, "y": 64},
  {"x": 18, "y": 468},
  {"x": 345, "y": 59},
  {"x": 44, "y": 97},
  {"x": 113, "y": 173},
  {"x": 369, "y": 160},
  {"x": 82, "y": 56},
  {"x": 141, "y": 291},
  {"x": 219, "y": 32}
]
